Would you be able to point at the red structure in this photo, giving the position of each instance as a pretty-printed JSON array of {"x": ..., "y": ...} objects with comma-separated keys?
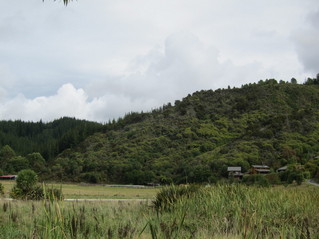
[{"x": 8, "y": 177}]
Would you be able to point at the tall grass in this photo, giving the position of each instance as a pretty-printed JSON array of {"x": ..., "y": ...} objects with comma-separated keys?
[
  {"x": 238, "y": 211},
  {"x": 54, "y": 219},
  {"x": 221, "y": 211}
]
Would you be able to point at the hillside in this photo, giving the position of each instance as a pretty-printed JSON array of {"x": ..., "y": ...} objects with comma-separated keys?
[
  {"x": 197, "y": 138},
  {"x": 49, "y": 139}
]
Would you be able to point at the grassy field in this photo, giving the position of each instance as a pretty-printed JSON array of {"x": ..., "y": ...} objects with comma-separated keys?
[
  {"x": 92, "y": 191},
  {"x": 221, "y": 211}
]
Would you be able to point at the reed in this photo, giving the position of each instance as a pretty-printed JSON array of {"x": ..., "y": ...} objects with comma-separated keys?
[
  {"x": 220, "y": 211},
  {"x": 246, "y": 212}
]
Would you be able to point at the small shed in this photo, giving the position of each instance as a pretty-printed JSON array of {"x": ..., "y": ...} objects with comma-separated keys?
[
  {"x": 234, "y": 172},
  {"x": 259, "y": 169},
  {"x": 8, "y": 177}
]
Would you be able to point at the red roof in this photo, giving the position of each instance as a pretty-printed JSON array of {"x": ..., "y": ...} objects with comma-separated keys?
[{"x": 8, "y": 176}]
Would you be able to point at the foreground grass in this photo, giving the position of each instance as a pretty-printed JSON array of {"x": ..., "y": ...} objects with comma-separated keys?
[
  {"x": 92, "y": 191},
  {"x": 222, "y": 211},
  {"x": 237, "y": 211}
]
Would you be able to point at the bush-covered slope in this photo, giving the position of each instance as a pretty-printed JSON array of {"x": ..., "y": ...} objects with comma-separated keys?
[{"x": 197, "y": 138}]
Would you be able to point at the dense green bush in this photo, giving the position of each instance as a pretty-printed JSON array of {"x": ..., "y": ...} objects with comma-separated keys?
[
  {"x": 168, "y": 196},
  {"x": 26, "y": 180},
  {"x": 256, "y": 179},
  {"x": 296, "y": 176},
  {"x": 91, "y": 177},
  {"x": 295, "y": 173},
  {"x": 273, "y": 178},
  {"x": 26, "y": 188}
]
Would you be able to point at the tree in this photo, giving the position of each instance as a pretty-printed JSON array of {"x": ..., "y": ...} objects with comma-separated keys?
[
  {"x": 17, "y": 164},
  {"x": 25, "y": 187},
  {"x": 293, "y": 81},
  {"x": 296, "y": 173},
  {"x": 6, "y": 153},
  {"x": 64, "y": 1},
  {"x": 26, "y": 180},
  {"x": 36, "y": 161},
  {"x": 296, "y": 176}
]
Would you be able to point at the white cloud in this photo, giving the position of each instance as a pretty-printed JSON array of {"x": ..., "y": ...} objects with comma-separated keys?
[
  {"x": 182, "y": 66},
  {"x": 119, "y": 57},
  {"x": 67, "y": 102},
  {"x": 306, "y": 41}
]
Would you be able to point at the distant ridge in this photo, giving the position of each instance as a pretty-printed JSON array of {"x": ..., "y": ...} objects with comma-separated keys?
[
  {"x": 201, "y": 135},
  {"x": 192, "y": 141}
]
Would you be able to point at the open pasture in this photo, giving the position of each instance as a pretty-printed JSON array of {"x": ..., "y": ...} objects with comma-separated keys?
[{"x": 93, "y": 191}]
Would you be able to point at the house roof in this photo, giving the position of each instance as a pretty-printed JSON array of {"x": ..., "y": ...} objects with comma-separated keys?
[
  {"x": 263, "y": 170},
  {"x": 282, "y": 168},
  {"x": 233, "y": 169},
  {"x": 260, "y": 166},
  {"x": 8, "y": 176}
]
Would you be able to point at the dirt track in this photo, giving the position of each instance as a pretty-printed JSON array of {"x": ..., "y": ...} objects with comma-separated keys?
[{"x": 105, "y": 200}]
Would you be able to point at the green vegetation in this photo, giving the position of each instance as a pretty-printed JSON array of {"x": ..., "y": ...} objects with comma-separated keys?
[
  {"x": 168, "y": 196},
  {"x": 193, "y": 141},
  {"x": 26, "y": 188},
  {"x": 220, "y": 211},
  {"x": 48, "y": 139},
  {"x": 256, "y": 179},
  {"x": 204, "y": 133},
  {"x": 1, "y": 189}
]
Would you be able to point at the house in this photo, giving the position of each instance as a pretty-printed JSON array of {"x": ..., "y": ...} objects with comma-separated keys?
[
  {"x": 259, "y": 169},
  {"x": 234, "y": 172},
  {"x": 8, "y": 177}
]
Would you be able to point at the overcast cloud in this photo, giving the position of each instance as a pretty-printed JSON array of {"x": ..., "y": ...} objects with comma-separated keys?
[{"x": 99, "y": 59}]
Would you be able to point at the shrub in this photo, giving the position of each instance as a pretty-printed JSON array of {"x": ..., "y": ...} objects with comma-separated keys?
[
  {"x": 1, "y": 189},
  {"x": 16, "y": 192},
  {"x": 168, "y": 196},
  {"x": 27, "y": 189},
  {"x": 52, "y": 193},
  {"x": 296, "y": 176},
  {"x": 273, "y": 178},
  {"x": 37, "y": 193},
  {"x": 26, "y": 180},
  {"x": 91, "y": 177},
  {"x": 295, "y": 173},
  {"x": 33, "y": 194},
  {"x": 256, "y": 179}
]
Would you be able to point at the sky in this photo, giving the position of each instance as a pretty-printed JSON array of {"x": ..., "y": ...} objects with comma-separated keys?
[{"x": 97, "y": 60}]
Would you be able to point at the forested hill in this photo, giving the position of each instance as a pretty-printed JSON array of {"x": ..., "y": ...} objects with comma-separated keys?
[
  {"x": 197, "y": 138},
  {"x": 49, "y": 139}
]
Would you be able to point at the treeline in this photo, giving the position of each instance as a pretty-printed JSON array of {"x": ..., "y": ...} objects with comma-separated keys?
[
  {"x": 48, "y": 139},
  {"x": 12, "y": 163}
]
